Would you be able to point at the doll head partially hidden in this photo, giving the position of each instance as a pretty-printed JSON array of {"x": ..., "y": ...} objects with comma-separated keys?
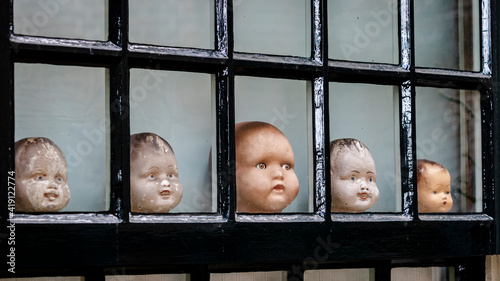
[
  {"x": 41, "y": 176},
  {"x": 433, "y": 185},
  {"x": 353, "y": 176},
  {"x": 154, "y": 178},
  {"x": 265, "y": 176}
]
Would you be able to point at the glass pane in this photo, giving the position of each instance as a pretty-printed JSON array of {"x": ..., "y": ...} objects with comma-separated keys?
[
  {"x": 188, "y": 23},
  {"x": 423, "y": 274},
  {"x": 249, "y": 276},
  {"x": 67, "y": 105},
  {"x": 449, "y": 133},
  {"x": 177, "y": 107},
  {"x": 447, "y": 34},
  {"x": 76, "y": 19},
  {"x": 149, "y": 277},
  {"x": 368, "y": 114},
  {"x": 356, "y": 274},
  {"x": 361, "y": 30},
  {"x": 285, "y": 105},
  {"x": 279, "y": 27}
]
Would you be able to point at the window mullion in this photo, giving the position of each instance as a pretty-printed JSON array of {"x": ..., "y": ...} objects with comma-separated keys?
[{"x": 119, "y": 128}]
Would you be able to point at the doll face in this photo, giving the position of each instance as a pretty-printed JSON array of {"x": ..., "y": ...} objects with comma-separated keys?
[
  {"x": 353, "y": 180},
  {"x": 434, "y": 191},
  {"x": 154, "y": 181},
  {"x": 41, "y": 179},
  {"x": 265, "y": 179}
]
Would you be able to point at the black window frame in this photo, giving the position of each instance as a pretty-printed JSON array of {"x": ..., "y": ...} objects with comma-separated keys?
[{"x": 112, "y": 242}]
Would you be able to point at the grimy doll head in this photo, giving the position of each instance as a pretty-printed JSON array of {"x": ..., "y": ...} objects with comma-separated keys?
[
  {"x": 265, "y": 176},
  {"x": 154, "y": 178},
  {"x": 41, "y": 176},
  {"x": 433, "y": 187},
  {"x": 353, "y": 176}
]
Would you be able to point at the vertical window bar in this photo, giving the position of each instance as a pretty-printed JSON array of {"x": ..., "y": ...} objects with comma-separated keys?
[
  {"x": 120, "y": 112},
  {"x": 406, "y": 50},
  {"x": 496, "y": 127},
  {"x": 321, "y": 118},
  {"x": 226, "y": 157},
  {"x": 487, "y": 144},
  {"x": 407, "y": 147},
  {"x": 486, "y": 36},
  {"x": 407, "y": 112}
]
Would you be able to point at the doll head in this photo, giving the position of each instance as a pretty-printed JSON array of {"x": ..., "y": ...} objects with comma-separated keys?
[
  {"x": 433, "y": 187},
  {"x": 265, "y": 179},
  {"x": 154, "y": 179},
  {"x": 353, "y": 176},
  {"x": 41, "y": 176}
]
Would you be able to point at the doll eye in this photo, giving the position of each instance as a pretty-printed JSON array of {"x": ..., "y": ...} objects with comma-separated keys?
[
  {"x": 152, "y": 176},
  {"x": 39, "y": 178},
  {"x": 286, "y": 166},
  {"x": 59, "y": 179},
  {"x": 447, "y": 192},
  {"x": 434, "y": 192},
  {"x": 261, "y": 166},
  {"x": 371, "y": 180},
  {"x": 170, "y": 176},
  {"x": 353, "y": 178}
]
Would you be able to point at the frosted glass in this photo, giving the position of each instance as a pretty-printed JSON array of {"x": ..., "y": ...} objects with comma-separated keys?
[
  {"x": 187, "y": 23},
  {"x": 449, "y": 133},
  {"x": 279, "y": 27},
  {"x": 77, "y": 19},
  {"x": 284, "y": 104},
  {"x": 67, "y": 104},
  {"x": 365, "y": 31},
  {"x": 368, "y": 113},
  {"x": 177, "y": 106},
  {"x": 447, "y": 34}
]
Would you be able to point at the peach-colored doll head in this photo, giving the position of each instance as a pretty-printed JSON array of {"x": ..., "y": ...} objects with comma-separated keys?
[
  {"x": 265, "y": 176},
  {"x": 353, "y": 176},
  {"x": 41, "y": 176},
  {"x": 433, "y": 187},
  {"x": 154, "y": 178}
]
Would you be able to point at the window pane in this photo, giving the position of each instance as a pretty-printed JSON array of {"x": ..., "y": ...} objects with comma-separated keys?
[
  {"x": 449, "y": 133},
  {"x": 447, "y": 34},
  {"x": 286, "y": 105},
  {"x": 176, "y": 106},
  {"x": 188, "y": 23},
  {"x": 423, "y": 274},
  {"x": 367, "y": 113},
  {"x": 363, "y": 30},
  {"x": 279, "y": 27},
  {"x": 249, "y": 276},
  {"x": 149, "y": 277},
  {"x": 67, "y": 105},
  {"x": 357, "y": 274},
  {"x": 76, "y": 19}
]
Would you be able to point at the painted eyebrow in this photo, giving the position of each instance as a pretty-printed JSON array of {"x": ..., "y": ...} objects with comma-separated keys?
[
  {"x": 152, "y": 168},
  {"x": 354, "y": 171},
  {"x": 370, "y": 172}
]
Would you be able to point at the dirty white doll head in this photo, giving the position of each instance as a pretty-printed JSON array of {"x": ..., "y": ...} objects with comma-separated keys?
[
  {"x": 353, "y": 176},
  {"x": 154, "y": 178},
  {"x": 433, "y": 187},
  {"x": 41, "y": 176},
  {"x": 265, "y": 176}
]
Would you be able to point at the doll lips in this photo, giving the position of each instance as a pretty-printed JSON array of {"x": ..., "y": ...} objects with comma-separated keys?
[
  {"x": 279, "y": 187},
  {"x": 165, "y": 193},
  {"x": 51, "y": 195},
  {"x": 444, "y": 203},
  {"x": 363, "y": 195}
]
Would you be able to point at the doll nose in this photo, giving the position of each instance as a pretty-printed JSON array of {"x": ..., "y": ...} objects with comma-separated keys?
[
  {"x": 165, "y": 183},
  {"x": 278, "y": 174},
  {"x": 364, "y": 186}
]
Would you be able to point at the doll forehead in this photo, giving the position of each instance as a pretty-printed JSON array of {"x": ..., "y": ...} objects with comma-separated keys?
[{"x": 30, "y": 152}]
